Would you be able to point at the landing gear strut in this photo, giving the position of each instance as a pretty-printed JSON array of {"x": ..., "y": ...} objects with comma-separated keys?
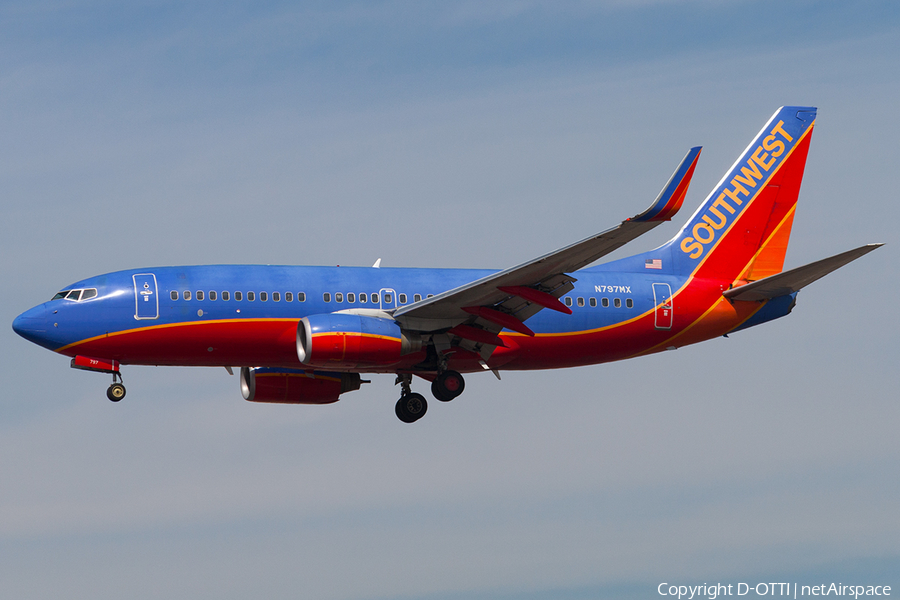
[
  {"x": 411, "y": 406},
  {"x": 116, "y": 391}
]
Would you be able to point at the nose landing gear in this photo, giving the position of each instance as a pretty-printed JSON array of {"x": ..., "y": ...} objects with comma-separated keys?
[{"x": 116, "y": 390}]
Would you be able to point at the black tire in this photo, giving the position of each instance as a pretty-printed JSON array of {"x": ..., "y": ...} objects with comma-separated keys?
[
  {"x": 115, "y": 392},
  {"x": 448, "y": 385},
  {"x": 411, "y": 408}
]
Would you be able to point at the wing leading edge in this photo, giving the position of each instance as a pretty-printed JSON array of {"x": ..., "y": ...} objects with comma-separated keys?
[{"x": 509, "y": 297}]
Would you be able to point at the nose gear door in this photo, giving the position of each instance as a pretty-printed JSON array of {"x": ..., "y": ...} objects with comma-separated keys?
[{"x": 146, "y": 298}]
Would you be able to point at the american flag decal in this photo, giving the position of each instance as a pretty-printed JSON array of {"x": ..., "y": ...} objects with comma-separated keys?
[{"x": 655, "y": 263}]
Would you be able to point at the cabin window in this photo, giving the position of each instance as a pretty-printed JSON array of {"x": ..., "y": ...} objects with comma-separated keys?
[
  {"x": 430, "y": 296},
  {"x": 263, "y": 296},
  {"x": 289, "y": 296},
  {"x": 339, "y": 297},
  {"x": 251, "y": 296},
  {"x": 402, "y": 298},
  {"x": 593, "y": 302},
  {"x": 629, "y": 303},
  {"x": 89, "y": 293},
  {"x": 351, "y": 297},
  {"x": 174, "y": 295},
  {"x": 387, "y": 299},
  {"x": 363, "y": 298},
  {"x": 199, "y": 294},
  {"x": 238, "y": 296},
  {"x": 73, "y": 295},
  {"x": 186, "y": 294},
  {"x": 417, "y": 297},
  {"x": 326, "y": 297},
  {"x": 225, "y": 296},
  {"x": 301, "y": 296},
  {"x": 276, "y": 296},
  {"x": 212, "y": 295},
  {"x": 580, "y": 301},
  {"x": 568, "y": 301},
  {"x": 618, "y": 302},
  {"x": 374, "y": 298},
  {"x": 605, "y": 302}
]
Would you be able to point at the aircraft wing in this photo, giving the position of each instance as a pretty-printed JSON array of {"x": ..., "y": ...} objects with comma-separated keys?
[
  {"x": 509, "y": 297},
  {"x": 792, "y": 281}
]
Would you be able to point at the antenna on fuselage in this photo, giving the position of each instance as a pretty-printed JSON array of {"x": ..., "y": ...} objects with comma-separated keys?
[{"x": 377, "y": 264}]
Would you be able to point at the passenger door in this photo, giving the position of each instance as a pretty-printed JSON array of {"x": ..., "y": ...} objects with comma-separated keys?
[
  {"x": 146, "y": 298},
  {"x": 662, "y": 298}
]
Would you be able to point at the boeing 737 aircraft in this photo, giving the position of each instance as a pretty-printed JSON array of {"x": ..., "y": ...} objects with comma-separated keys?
[{"x": 304, "y": 335}]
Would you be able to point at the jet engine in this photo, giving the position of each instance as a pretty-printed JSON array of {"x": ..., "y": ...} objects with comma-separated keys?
[
  {"x": 293, "y": 386},
  {"x": 351, "y": 341}
]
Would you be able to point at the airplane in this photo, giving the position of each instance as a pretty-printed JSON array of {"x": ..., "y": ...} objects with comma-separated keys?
[{"x": 307, "y": 334}]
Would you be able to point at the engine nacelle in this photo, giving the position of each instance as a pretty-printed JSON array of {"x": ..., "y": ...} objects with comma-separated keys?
[
  {"x": 293, "y": 386},
  {"x": 350, "y": 341}
]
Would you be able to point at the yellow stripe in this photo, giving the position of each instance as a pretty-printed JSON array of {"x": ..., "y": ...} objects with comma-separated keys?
[
  {"x": 691, "y": 326},
  {"x": 585, "y": 331},
  {"x": 169, "y": 325},
  {"x": 755, "y": 196},
  {"x": 367, "y": 335}
]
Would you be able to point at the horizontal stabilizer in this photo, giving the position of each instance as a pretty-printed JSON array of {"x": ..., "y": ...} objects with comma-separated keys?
[{"x": 795, "y": 279}]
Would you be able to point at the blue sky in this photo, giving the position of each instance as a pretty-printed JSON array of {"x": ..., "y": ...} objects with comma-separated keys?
[{"x": 453, "y": 134}]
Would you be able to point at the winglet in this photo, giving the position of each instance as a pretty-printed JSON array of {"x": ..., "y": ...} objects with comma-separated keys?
[{"x": 672, "y": 195}]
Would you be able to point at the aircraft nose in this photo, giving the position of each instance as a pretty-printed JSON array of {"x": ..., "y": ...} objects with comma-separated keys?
[{"x": 31, "y": 324}]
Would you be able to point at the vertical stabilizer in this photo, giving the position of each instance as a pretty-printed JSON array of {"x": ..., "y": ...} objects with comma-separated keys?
[{"x": 741, "y": 230}]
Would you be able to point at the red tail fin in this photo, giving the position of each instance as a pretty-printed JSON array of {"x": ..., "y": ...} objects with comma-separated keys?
[{"x": 741, "y": 231}]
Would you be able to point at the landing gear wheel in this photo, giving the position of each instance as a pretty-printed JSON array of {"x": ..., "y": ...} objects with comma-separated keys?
[
  {"x": 115, "y": 392},
  {"x": 411, "y": 407},
  {"x": 448, "y": 385}
]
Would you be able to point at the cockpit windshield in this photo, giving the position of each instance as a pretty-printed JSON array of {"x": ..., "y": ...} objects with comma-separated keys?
[{"x": 76, "y": 295}]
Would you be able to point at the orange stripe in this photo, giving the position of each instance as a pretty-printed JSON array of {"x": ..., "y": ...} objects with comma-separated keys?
[
  {"x": 788, "y": 218},
  {"x": 168, "y": 325}
]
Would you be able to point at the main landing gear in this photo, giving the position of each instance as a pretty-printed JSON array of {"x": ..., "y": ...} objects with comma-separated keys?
[
  {"x": 412, "y": 406},
  {"x": 448, "y": 385}
]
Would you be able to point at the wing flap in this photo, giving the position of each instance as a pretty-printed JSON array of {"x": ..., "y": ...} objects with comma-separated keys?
[{"x": 795, "y": 279}]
